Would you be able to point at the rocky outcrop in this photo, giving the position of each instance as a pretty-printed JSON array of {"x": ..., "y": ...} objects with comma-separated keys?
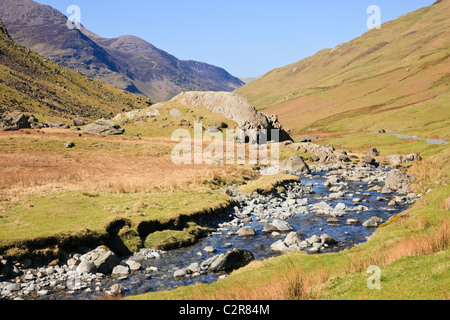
[
  {"x": 140, "y": 114},
  {"x": 325, "y": 154},
  {"x": 104, "y": 127},
  {"x": 16, "y": 121},
  {"x": 236, "y": 108}
]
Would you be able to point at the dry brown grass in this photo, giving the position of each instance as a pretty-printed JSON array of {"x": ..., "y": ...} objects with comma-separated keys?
[
  {"x": 34, "y": 171},
  {"x": 417, "y": 245},
  {"x": 292, "y": 284}
]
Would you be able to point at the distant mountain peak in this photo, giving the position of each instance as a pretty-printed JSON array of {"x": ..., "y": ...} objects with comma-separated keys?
[{"x": 126, "y": 62}]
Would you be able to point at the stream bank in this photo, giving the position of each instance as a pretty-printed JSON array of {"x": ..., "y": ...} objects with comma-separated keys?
[{"x": 333, "y": 208}]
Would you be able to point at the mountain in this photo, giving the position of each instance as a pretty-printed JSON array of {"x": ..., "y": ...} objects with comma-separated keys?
[
  {"x": 396, "y": 77},
  {"x": 126, "y": 62},
  {"x": 31, "y": 83}
]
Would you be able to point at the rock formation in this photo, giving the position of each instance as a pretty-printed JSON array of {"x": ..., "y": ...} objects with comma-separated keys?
[{"x": 234, "y": 107}]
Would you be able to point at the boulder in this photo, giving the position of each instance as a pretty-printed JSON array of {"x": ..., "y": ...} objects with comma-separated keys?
[
  {"x": 86, "y": 267},
  {"x": 294, "y": 165},
  {"x": 324, "y": 153},
  {"x": 120, "y": 271},
  {"x": 104, "y": 127},
  {"x": 293, "y": 238},
  {"x": 333, "y": 220},
  {"x": 15, "y": 121},
  {"x": 373, "y": 152},
  {"x": 180, "y": 273},
  {"x": 398, "y": 181},
  {"x": 370, "y": 161},
  {"x": 133, "y": 265},
  {"x": 322, "y": 206},
  {"x": 269, "y": 228},
  {"x": 229, "y": 261},
  {"x": 280, "y": 246},
  {"x": 104, "y": 259},
  {"x": 209, "y": 249},
  {"x": 246, "y": 232},
  {"x": 280, "y": 225},
  {"x": 370, "y": 224},
  {"x": 116, "y": 289},
  {"x": 313, "y": 239},
  {"x": 194, "y": 267},
  {"x": 327, "y": 239},
  {"x": 78, "y": 122},
  {"x": 56, "y": 124},
  {"x": 69, "y": 145}
]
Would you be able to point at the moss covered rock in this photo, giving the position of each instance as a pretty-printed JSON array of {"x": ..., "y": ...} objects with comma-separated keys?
[{"x": 126, "y": 242}]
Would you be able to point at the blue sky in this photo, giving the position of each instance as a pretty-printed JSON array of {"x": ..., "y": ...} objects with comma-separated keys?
[{"x": 245, "y": 37}]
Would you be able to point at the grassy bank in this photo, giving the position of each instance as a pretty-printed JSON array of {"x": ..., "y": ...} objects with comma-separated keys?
[{"x": 114, "y": 189}]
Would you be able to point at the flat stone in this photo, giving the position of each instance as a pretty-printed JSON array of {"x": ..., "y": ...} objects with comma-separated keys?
[
  {"x": 121, "y": 271},
  {"x": 209, "y": 249},
  {"x": 134, "y": 265},
  {"x": 352, "y": 221},
  {"x": 180, "y": 273}
]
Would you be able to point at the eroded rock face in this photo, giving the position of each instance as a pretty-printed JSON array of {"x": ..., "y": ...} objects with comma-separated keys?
[{"x": 236, "y": 108}]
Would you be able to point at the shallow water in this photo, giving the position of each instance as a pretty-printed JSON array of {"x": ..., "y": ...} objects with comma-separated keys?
[{"x": 309, "y": 224}]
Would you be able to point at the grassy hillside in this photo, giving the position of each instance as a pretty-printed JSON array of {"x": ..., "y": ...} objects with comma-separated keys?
[
  {"x": 31, "y": 83},
  {"x": 393, "y": 78}
]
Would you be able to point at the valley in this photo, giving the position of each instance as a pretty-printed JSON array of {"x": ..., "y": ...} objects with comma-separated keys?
[{"x": 94, "y": 206}]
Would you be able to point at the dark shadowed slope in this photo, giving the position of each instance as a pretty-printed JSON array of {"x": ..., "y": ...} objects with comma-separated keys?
[{"x": 32, "y": 83}]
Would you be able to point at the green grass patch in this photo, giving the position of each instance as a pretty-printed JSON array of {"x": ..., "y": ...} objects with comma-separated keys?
[
  {"x": 172, "y": 239},
  {"x": 386, "y": 144},
  {"x": 409, "y": 278},
  {"x": 266, "y": 184},
  {"x": 60, "y": 212}
]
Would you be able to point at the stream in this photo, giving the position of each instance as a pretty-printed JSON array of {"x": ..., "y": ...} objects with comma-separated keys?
[{"x": 300, "y": 207}]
